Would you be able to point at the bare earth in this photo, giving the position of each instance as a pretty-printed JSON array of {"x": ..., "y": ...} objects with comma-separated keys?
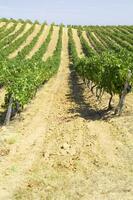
[
  {"x": 52, "y": 44},
  {"x": 16, "y": 29},
  {"x": 86, "y": 38},
  {"x": 39, "y": 42},
  {"x": 27, "y": 42},
  {"x": 100, "y": 40},
  {"x": 96, "y": 37},
  {"x": 65, "y": 146},
  {"x": 28, "y": 26},
  {"x": 2, "y": 24},
  {"x": 77, "y": 43},
  {"x": 9, "y": 25}
]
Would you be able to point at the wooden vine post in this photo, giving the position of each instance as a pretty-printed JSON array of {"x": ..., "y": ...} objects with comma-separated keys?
[
  {"x": 123, "y": 95},
  {"x": 9, "y": 112}
]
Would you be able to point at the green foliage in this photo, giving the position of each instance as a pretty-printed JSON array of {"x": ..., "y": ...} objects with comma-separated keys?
[
  {"x": 43, "y": 47},
  {"x": 99, "y": 47},
  {"x": 88, "y": 51},
  {"x": 25, "y": 51},
  {"x": 29, "y": 21},
  {"x": 72, "y": 48},
  {"x": 14, "y": 45},
  {"x": 11, "y": 37},
  {"x": 8, "y": 31},
  {"x": 23, "y": 77},
  {"x": 109, "y": 71},
  {"x": 37, "y": 22},
  {"x": 108, "y": 66}
]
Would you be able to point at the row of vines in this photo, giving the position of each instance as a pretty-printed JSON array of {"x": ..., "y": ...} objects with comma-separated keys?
[
  {"x": 22, "y": 77},
  {"x": 107, "y": 67},
  {"x": 103, "y": 69}
]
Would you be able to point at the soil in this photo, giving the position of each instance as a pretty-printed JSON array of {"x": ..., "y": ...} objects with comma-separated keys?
[
  {"x": 2, "y": 24},
  {"x": 9, "y": 25},
  {"x": 67, "y": 145},
  {"x": 16, "y": 29},
  {"x": 40, "y": 41},
  {"x": 52, "y": 44},
  {"x": 27, "y": 27},
  {"x": 86, "y": 38},
  {"x": 96, "y": 37},
  {"x": 77, "y": 43},
  {"x": 27, "y": 42}
]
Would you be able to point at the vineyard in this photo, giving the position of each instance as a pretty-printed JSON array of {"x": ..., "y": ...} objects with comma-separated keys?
[{"x": 66, "y": 111}]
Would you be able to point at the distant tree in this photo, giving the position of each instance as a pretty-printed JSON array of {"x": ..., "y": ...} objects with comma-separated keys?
[
  {"x": 29, "y": 21},
  {"x": 62, "y": 25},
  {"x": 3, "y": 19},
  {"x": 69, "y": 26},
  {"x": 53, "y": 24},
  {"x": 21, "y": 20},
  {"x": 45, "y": 22},
  {"x": 36, "y": 22},
  {"x": 13, "y": 20}
]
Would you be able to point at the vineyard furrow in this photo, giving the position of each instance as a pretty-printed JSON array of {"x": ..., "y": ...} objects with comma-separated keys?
[
  {"x": 118, "y": 40},
  {"x": 77, "y": 43},
  {"x": 52, "y": 44},
  {"x": 28, "y": 26},
  {"x": 28, "y": 41},
  {"x": 66, "y": 111},
  {"x": 128, "y": 39},
  {"x": 16, "y": 29},
  {"x": 86, "y": 38},
  {"x": 101, "y": 39},
  {"x": 109, "y": 42},
  {"x": 28, "y": 151},
  {"x": 96, "y": 37},
  {"x": 3, "y": 29},
  {"x": 129, "y": 30},
  {"x": 113, "y": 40},
  {"x": 89, "y": 36},
  {"x": 11, "y": 34},
  {"x": 74, "y": 148},
  {"x": 2, "y": 24},
  {"x": 9, "y": 25},
  {"x": 40, "y": 41},
  {"x": 98, "y": 46}
]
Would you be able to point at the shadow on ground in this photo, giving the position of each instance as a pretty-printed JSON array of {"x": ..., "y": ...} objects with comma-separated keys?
[{"x": 84, "y": 108}]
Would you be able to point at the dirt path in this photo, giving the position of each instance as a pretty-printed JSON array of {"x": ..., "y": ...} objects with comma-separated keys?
[
  {"x": 16, "y": 29},
  {"x": 31, "y": 133},
  {"x": 10, "y": 25},
  {"x": 2, "y": 24},
  {"x": 86, "y": 38},
  {"x": 77, "y": 43},
  {"x": 28, "y": 26},
  {"x": 82, "y": 156},
  {"x": 62, "y": 149},
  {"x": 27, "y": 42},
  {"x": 52, "y": 44},
  {"x": 40, "y": 41},
  {"x": 96, "y": 37},
  {"x": 101, "y": 40}
]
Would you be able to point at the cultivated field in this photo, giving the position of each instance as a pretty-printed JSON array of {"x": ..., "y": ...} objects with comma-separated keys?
[{"x": 59, "y": 136}]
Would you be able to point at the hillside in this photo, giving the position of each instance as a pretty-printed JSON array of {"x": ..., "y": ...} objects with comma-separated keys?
[{"x": 62, "y": 143}]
